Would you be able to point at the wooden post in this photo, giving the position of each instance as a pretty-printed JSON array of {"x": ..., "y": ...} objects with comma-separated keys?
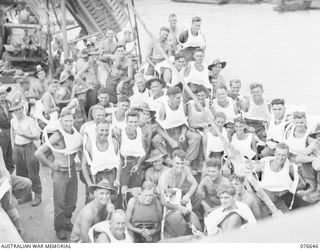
[
  {"x": 237, "y": 160},
  {"x": 49, "y": 37},
  {"x": 137, "y": 32},
  {"x": 64, "y": 29}
]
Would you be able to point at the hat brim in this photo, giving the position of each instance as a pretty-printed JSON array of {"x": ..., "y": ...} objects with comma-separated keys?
[
  {"x": 148, "y": 83},
  {"x": 94, "y": 187},
  {"x": 155, "y": 158},
  {"x": 81, "y": 92},
  {"x": 83, "y": 55},
  {"x": 223, "y": 65},
  {"x": 24, "y": 75},
  {"x": 314, "y": 135},
  {"x": 69, "y": 77},
  {"x": 140, "y": 108},
  {"x": 12, "y": 109}
]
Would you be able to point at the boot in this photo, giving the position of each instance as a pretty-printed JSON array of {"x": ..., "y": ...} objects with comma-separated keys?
[
  {"x": 25, "y": 199},
  {"x": 37, "y": 200},
  {"x": 61, "y": 235},
  {"x": 67, "y": 225}
]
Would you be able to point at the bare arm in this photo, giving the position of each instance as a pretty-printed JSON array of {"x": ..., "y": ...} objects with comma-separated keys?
[
  {"x": 194, "y": 184},
  {"x": 84, "y": 166},
  {"x": 46, "y": 101},
  {"x": 129, "y": 213},
  {"x": 86, "y": 223}
]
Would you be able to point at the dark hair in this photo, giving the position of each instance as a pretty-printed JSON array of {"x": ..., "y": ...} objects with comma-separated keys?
[
  {"x": 198, "y": 50},
  {"x": 179, "y": 153},
  {"x": 179, "y": 55},
  {"x": 200, "y": 88},
  {"x": 229, "y": 189},
  {"x": 124, "y": 98},
  {"x": 221, "y": 115},
  {"x": 277, "y": 102},
  {"x": 196, "y": 19},
  {"x": 282, "y": 145},
  {"x": 103, "y": 91},
  {"x": 213, "y": 163},
  {"x": 173, "y": 91},
  {"x": 234, "y": 80},
  {"x": 120, "y": 46},
  {"x": 132, "y": 113},
  {"x": 236, "y": 177},
  {"x": 165, "y": 29},
  {"x": 299, "y": 115}
]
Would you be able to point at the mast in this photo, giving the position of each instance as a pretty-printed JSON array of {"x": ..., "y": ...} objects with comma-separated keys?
[
  {"x": 49, "y": 36},
  {"x": 137, "y": 33},
  {"x": 64, "y": 29}
]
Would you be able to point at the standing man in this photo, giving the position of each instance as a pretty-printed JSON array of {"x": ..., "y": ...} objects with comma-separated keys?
[
  {"x": 64, "y": 143},
  {"x": 121, "y": 73},
  {"x": 132, "y": 151},
  {"x": 99, "y": 209},
  {"x": 174, "y": 31},
  {"x": 192, "y": 39},
  {"x": 24, "y": 132},
  {"x": 5, "y": 118}
]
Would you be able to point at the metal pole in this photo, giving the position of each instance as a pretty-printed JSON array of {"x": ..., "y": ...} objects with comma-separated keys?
[
  {"x": 64, "y": 29},
  {"x": 137, "y": 33},
  {"x": 49, "y": 39}
]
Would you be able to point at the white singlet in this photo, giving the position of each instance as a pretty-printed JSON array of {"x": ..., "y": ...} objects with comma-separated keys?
[
  {"x": 194, "y": 41},
  {"x": 174, "y": 118},
  {"x": 131, "y": 147},
  {"x": 296, "y": 144},
  {"x": 198, "y": 77},
  {"x": 228, "y": 111},
  {"x": 258, "y": 112},
  {"x": 244, "y": 146},
  {"x": 214, "y": 144}
]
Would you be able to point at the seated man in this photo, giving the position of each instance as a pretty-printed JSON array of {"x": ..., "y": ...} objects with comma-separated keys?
[
  {"x": 243, "y": 195},
  {"x": 99, "y": 209},
  {"x": 154, "y": 173},
  {"x": 174, "y": 132},
  {"x": 115, "y": 231},
  {"x": 279, "y": 179},
  {"x": 140, "y": 91},
  {"x": 144, "y": 214},
  {"x": 276, "y": 127},
  {"x": 230, "y": 215},
  {"x": 209, "y": 185},
  {"x": 178, "y": 214}
]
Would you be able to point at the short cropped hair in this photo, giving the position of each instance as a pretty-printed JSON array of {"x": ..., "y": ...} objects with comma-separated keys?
[
  {"x": 172, "y": 15},
  {"x": 147, "y": 185},
  {"x": 103, "y": 91},
  {"x": 239, "y": 120},
  {"x": 238, "y": 178},
  {"x": 256, "y": 85},
  {"x": 124, "y": 98},
  {"x": 282, "y": 145},
  {"x": 199, "y": 89},
  {"x": 198, "y": 50},
  {"x": 97, "y": 107},
  {"x": 196, "y": 19},
  {"x": 65, "y": 112},
  {"x": 220, "y": 115},
  {"x": 229, "y": 189},
  {"x": 103, "y": 122},
  {"x": 277, "y": 102},
  {"x": 222, "y": 86},
  {"x": 179, "y": 55},
  {"x": 173, "y": 91},
  {"x": 299, "y": 115},
  {"x": 120, "y": 45},
  {"x": 213, "y": 163},
  {"x": 132, "y": 113},
  {"x": 179, "y": 153},
  {"x": 234, "y": 81},
  {"x": 165, "y": 29},
  {"x": 117, "y": 212}
]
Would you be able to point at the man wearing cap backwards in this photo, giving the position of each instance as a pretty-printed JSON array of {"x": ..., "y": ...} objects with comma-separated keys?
[
  {"x": 179, "y": 214},
  {"x": 192, "y": 39},
  {"x": 103, "y": 98},
  {"x": 153, "y": 174},
  {"x": 144, "y": 214},
  {"x": 311, "y": 154},
  {"x": 40, "y": 85},
  {"x": 77, "y": 106},
  {"x": 64, "y": 144},
  {"x": 196, "y": 72},
  {"x": 5, "y": 118},
  {"x": 153, "y": 55},
  {"x": 214, "y": 73},
  {"x": 119, "y": 79},
  {"x": 114, "y": 231},
  {"x": 174, "y": 132},
  {"x": 99, "y": 209},
  {"x": 140, "y": 91},
  {"x": 132, "y": 151},
  {"x": 24, "y": 132}
]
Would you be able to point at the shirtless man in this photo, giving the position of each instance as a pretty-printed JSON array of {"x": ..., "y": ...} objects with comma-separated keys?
[
  {"x": 99, "y": 209},
  {"x": 243, "y": 195},
  {"x": 23, "y": 95},
  {"x": 154, "y": 173},
  {"x": 174, "y": 31},
  {"x": 116, "y": 231},
  {"x": 192, "y": 39},
  {"x": 117, "y": 118},
  {"x": 64, "y": 143},
  {"x": 121, "y": 74},
  {"x": 178, "y": 215},
  {"x": 208, "y": 186},
  {"x": 103, "y": 98},
  {"x": 153, "y": 55},
  {"x": 215, "y": 77},
  {"x": 40, "y": 86},
  {"x": 108, "y": 45},
  {"x": 140, "y": 91}
]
